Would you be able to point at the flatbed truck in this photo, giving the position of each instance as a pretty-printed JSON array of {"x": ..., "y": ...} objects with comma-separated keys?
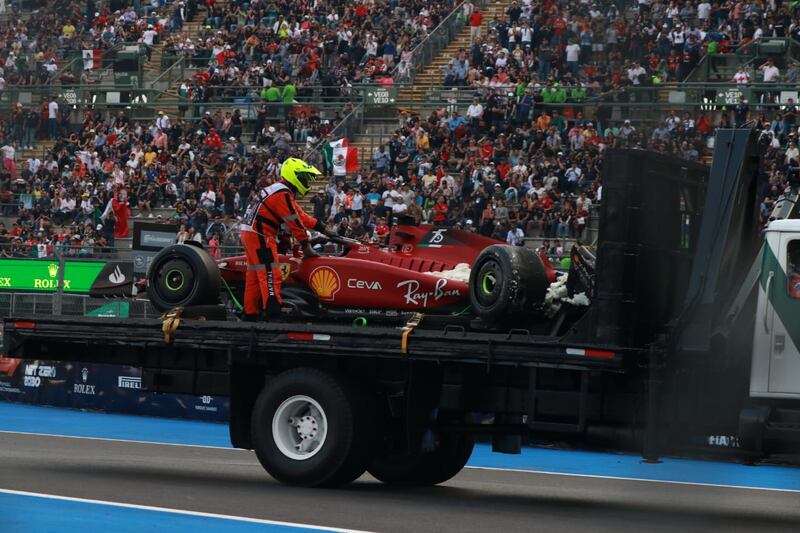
[{"x": 690, "y": 344}]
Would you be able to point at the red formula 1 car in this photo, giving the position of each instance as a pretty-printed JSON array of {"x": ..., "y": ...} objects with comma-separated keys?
[{"x": 414, "y": 273}]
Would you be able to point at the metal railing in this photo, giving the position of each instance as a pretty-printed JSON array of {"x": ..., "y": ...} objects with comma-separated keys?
[
  {"x": 438, "y": 96},
  {"x": 118, "y": 252},
  {"x": 174, "y": 72},
  {"x": 75, "y": 65},
  {"x": 438, "y": 39},
  {"x": 712, "y": 66},
  {"x": 349, "y": 124}
]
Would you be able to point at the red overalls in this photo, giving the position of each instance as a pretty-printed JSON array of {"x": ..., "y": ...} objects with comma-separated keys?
[{"x": 272, "y": 212}]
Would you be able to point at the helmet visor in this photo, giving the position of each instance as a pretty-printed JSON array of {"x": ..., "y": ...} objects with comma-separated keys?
[{"x": 304, "y": 180}]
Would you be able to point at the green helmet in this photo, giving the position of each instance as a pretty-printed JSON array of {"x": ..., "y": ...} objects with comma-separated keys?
[{"x": 298, "y": 174}]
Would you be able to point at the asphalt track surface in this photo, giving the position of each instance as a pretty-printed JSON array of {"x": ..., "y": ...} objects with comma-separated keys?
[{"x": 231, "y": 482}]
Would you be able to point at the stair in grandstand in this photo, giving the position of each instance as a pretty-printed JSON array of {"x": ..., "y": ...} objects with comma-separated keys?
[
  {"x": 377, "y": 133},
  {"x": 40, "y": 150},
  {"x": 433, "y": 73},
  {"x": 158, "y": 63},
  {"x": 589, "y": 236}
]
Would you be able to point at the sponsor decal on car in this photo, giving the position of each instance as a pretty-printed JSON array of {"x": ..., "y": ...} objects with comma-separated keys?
[
  {"x": 117, "y": 276},
  {"x": 353, "y": 283},
  {"x": 435, "y": 239},
  {"x": 129, "y": 382},
  {"x": 84, "y": 387},
  {"x": 325, "y": 283},
  {"x": 414, "y": 296},
  {"x": 286, "y": 269}
]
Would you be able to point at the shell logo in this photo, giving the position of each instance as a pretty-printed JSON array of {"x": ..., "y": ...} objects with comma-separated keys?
[{"x": 325, "y": 283}]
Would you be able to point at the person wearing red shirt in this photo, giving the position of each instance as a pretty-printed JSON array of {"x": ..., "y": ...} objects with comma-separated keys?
[
  {"x": 487, "y": 149},
  {"x": 502, "y": 169},
  {"x": 382, "y": 231},
  {"x": 119, "y": 204},
  {"x": 475, "y": 22},
  {"x": 703, "y": 124},
  {"x": 213, "y": 140},
  {"x": 440, "y": 212}
]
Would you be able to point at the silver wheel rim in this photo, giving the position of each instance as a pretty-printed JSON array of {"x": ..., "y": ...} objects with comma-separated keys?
[{"x": 299, "y": 427}]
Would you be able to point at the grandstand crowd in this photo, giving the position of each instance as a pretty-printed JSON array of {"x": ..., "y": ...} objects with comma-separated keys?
[{"x": 521, "y": 160}]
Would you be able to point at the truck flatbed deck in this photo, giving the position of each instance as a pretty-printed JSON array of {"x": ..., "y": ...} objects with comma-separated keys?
[{"x": 220, "y": 343}]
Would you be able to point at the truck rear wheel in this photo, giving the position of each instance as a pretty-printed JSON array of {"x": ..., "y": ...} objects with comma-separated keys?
[
  {"x": 424, "y": 469},
  {"x": 311, "y": 428}
]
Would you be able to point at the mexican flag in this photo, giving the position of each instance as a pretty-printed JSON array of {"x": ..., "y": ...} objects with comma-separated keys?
[
  {"x": 341, "y": 157},
  {"x": 92, "y": 59}
]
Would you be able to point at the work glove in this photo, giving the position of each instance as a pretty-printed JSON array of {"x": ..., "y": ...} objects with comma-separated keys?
[{"x": 308, "y": 251}]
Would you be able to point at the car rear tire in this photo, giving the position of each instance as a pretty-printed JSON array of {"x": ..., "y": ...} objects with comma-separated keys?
[
  {"x": 506, "y": 280},
  {"x": 183, "y": 276},
  {"x": 313, "y": 429},
  {"x": 424, "y": 469}
]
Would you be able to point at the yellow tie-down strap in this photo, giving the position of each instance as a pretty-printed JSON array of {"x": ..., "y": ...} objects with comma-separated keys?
[
  {"x": 407, "y": 329},
  {"x": 170, "y": 322},
  {"x": 172, "y": 319}
]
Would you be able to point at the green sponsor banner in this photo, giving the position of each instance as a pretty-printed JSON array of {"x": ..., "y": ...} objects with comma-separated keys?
[{"x": 36, "y": 275}]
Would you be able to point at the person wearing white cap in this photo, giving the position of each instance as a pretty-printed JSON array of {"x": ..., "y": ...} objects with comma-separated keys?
[
  {"x": 148, "y": 39},
  {"x": 163, "y": 121},
  {"x": 627, "y": 131}
]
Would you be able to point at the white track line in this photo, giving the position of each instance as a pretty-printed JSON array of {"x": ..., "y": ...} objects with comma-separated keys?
[
  {"x": 179, "y": 511},
  {"x": 129, "y": 441},
  {"x": 623, "y": 478},
  {"x": 489, "y": 468}
]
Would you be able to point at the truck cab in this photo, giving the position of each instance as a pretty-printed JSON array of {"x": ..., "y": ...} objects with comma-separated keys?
[{"x": 776, "y": 357}]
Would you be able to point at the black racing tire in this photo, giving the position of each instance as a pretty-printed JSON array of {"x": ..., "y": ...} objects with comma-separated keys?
[
  {"x": 505, "y": 281},
  {"x": 341, "y": 408},
  {"x": 182, "y": 276},
  {"x": 424, "y": 469}
]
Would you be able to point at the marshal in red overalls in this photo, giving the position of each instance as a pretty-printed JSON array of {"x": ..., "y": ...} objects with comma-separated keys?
[{"x": 271, "y": 213}]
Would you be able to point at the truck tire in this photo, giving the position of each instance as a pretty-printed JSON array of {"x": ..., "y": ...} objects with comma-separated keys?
[
  {"x": 182, "y": 276},
  {"x": 424, "y": 469},
  {"x": 312, "y": 428},
  {"x": 506, "y": 280}
]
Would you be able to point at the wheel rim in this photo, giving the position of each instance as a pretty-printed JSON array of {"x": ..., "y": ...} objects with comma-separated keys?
[
  {"x": 174, "y": 280},
  {"x": 299, "y": 427},
  {"x": 488, "y": 282},
  {"x": 489, "y": 277}
]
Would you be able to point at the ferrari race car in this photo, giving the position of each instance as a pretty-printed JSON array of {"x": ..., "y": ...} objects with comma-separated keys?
[{"x": 424, "y": 268}]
